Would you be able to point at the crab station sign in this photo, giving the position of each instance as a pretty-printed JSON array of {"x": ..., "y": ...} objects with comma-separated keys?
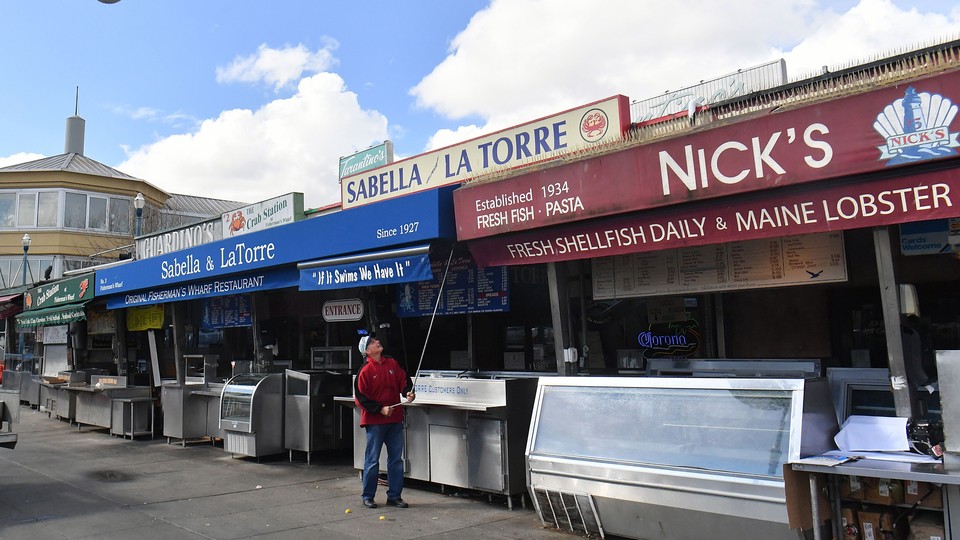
[{"x": 911, "y": 122}]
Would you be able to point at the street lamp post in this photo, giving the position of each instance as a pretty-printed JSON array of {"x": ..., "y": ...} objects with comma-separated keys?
[
  {"x": 138, "y": 203},
  {"x": 26, "y": 248}
]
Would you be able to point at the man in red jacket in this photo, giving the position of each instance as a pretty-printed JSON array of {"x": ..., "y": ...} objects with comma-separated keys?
[{"x": 377, "y": 391}]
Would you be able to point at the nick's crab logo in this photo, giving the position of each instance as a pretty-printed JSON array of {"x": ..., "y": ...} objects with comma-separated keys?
[{"x": 917, "y": 128}]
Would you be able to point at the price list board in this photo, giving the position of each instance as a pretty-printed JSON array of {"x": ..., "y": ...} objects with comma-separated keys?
[
  {"x": 770, "y": 262},
  {"x": 226, "y": 312},
  {"x": 467, "y": 289}
]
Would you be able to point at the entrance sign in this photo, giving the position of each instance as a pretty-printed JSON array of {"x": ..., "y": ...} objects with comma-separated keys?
[{"x": 343, "y": 310}]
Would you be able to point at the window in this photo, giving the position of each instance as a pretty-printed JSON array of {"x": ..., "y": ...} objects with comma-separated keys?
[
  {"x": 8, "y": 210},
  {"x": 27, "y": 210},
  {"x": 48, "y": 209},
  {"x": 98, "y": 213},
  {"x": 120, "y": 215},
  {"x": 75, "y": 211},
  {"x": 6, "y": 278}
]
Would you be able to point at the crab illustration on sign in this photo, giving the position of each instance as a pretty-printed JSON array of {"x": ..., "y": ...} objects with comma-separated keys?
[
  {"x": 237, "y": 221},
  {"x": 593, "y": 125}
]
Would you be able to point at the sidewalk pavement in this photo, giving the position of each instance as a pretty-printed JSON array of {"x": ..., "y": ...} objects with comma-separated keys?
[{"x": 64, "y": 482}]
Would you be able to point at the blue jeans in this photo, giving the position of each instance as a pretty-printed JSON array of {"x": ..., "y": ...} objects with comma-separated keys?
[{"x": 378, "y": 435}]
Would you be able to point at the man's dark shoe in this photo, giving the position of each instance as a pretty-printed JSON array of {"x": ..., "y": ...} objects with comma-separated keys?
[
  {"x": 369, "y": 503},
  {"x": 398, "y": 502}
]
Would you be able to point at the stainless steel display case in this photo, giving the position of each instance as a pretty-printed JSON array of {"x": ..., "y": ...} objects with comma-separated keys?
[
  {"x": 672, "y": 458},
  {"x": 251, "y": 414},
  {"x": 311, "y": 420}
]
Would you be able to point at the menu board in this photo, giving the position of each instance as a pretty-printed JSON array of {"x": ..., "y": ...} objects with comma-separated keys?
[
  {"x": 225, "y": 312},
  {"x": 467, "y": 289},
  {"x": 770, "y": 262}
]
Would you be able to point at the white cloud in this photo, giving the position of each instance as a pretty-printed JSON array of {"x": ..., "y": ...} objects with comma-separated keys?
[
  {"x": 504, "y": 71},
  {"x": 278, "y": 67},
  {"x": 136, "y": 113},
  {"x": 870, "y": 30},
  {"x": 18, "y": 158},
  {"x": 288, "y": 145},
  {"x": 448, "y": 137}
]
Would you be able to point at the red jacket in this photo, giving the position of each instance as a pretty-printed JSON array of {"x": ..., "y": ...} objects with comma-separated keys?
[{"x": 379, "y": 385}]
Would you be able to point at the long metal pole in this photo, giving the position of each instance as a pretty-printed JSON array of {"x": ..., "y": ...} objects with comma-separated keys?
[
  {"x": 24, "y": 276},
  {"x": 432, "y": 317}
]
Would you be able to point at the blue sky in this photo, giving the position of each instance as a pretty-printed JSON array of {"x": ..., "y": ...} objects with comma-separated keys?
[{"x": 246, "y": 99}]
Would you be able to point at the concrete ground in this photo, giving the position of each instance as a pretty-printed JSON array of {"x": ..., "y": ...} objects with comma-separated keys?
[{"x": 64, "y": 482}]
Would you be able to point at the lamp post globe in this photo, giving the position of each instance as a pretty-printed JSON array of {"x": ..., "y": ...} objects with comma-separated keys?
[
  {"x": 26, "y": 248},
  {"x": 138, "y": 202}
]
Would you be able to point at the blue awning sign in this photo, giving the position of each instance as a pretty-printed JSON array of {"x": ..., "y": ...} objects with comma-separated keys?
[
  {"x": 234, "y": 284},
  {"x": 421, "y": 217},
  {"x": 383, "y": 268}
]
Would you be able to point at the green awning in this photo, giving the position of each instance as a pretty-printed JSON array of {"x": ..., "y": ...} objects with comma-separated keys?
[{"x": 52, "y": 316}]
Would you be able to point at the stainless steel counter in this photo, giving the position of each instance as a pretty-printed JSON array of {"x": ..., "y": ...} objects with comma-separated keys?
[
  {"x": 464, "y": 432},
  {"x": 187, "y": 411},
  {"x": 933, "y": 473},
  {"x": 95, "y": 405}
]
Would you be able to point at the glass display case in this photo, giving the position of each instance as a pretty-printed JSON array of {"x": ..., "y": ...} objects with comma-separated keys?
[
  {"x": 251, "y": 414},
  {"x": 672, "y": 457}
]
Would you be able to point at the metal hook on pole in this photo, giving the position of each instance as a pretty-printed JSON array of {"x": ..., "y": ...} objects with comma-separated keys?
[{"x": 436, "y": 306}]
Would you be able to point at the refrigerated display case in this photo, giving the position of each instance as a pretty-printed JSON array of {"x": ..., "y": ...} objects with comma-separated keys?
[
  {"x": 672, "y": 458},
  {"x": 251, "y": 414}
]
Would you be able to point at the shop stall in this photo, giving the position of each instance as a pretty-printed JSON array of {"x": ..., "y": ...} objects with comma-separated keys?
[
  {"x": 672, "y": 457},
  {"x": 251, "y": 414}
]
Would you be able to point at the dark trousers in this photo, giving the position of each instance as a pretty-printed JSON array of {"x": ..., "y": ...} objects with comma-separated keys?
[{"x": 378, "y": 435}]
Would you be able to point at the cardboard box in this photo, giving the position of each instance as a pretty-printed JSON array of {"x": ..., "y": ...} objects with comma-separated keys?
[
  {"x": 926, "y": 494},
  {"x": 849, "y": 525},
  {"x": 851, "y": 488},
  {"x": 882, "y": 491},
  {"x": 927, "y": 526},
  {"x": 873, "y": 525}
]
